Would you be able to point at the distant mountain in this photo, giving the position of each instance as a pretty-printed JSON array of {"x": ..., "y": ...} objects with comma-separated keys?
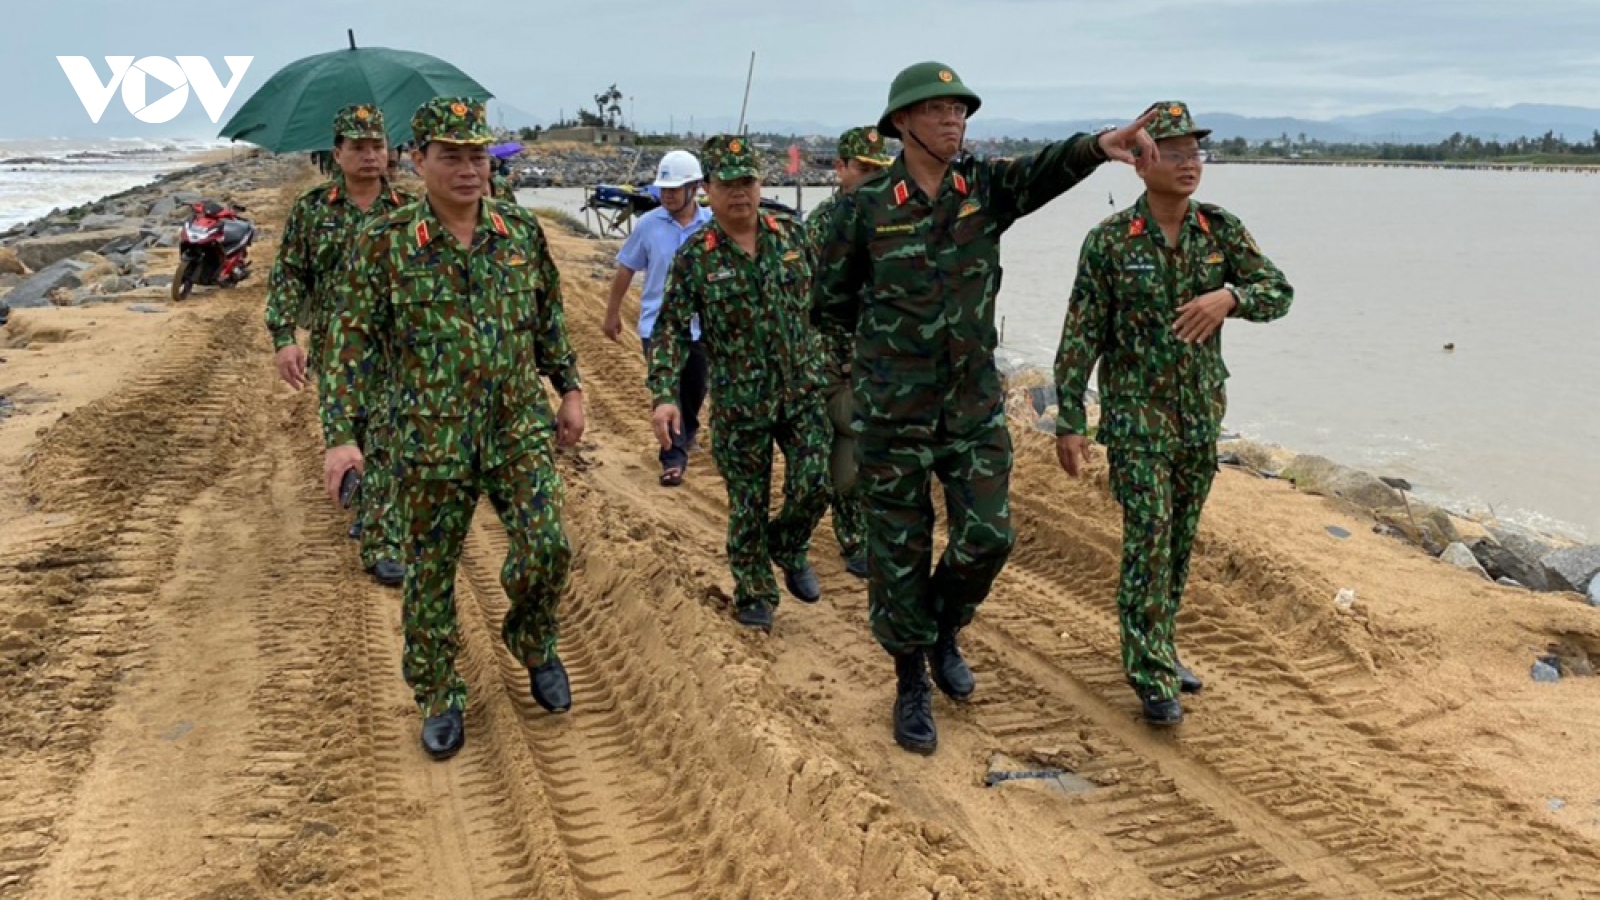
[{"x": 1392, "y": 126}]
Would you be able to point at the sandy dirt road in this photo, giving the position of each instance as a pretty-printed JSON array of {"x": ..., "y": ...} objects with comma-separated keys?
[{"x": 200, "y": 691}]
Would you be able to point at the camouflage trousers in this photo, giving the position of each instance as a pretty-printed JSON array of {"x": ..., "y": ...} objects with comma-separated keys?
[
  {"x": 381, "y": 529},
  {"x": 848, "y": 524},
  {"x": 743, "y": 453},
  {"x": 908, "y": 599},
  {"x": 526, "y": 493},
  {"x": 1161, "y": 496}
]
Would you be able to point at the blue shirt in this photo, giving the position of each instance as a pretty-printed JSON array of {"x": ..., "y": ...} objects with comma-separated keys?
[{"x": 650, "y": 248}]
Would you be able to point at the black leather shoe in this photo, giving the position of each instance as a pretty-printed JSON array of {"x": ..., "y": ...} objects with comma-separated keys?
[
  {"x": 913, "y": 705},
  {"x": 757, "y": 616},
  {"x": 550, "y": 687},
  {"x": 389, "y": 573},
  {"x": 857, "y": 566},
  {"x": 803, "y": 584},
  {"x": 1188, "y": 681},
  {"x": 950, "y": 672},
  {"x": 355, "y": 530},
  {"x": 444, "y": 734},
  {"x": 1162, "y": 711}
]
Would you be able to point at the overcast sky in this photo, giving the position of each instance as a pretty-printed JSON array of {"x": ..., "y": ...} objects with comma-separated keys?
[{"x": 831, "y": 61}]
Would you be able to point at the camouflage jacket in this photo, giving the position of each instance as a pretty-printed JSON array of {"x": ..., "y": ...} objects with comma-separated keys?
[
  {"x": 1156, "y": 392},
  {"x": 911, "y": 282},
  {"x": 500, "y": 189},
  {"x": 463, "y": 333},
  {"x": 755, "y": 321},
  {"x": 317, "y": 236},
  {"x": 819, "y": 225}
]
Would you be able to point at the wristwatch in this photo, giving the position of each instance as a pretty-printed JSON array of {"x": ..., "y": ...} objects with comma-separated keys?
[{"x": 1238, "y": 299}]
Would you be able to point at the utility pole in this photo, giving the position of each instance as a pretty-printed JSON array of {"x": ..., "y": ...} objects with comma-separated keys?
[{"x": 746, "y": 104}]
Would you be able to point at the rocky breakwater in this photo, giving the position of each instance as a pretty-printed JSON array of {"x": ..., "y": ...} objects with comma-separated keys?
[
  {"x": 123, "y": 243},
  {"x": 1502, "y": 552}
]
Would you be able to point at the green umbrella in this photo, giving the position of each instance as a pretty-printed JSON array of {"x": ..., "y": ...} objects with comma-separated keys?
[{"x": 294, "y": 110}]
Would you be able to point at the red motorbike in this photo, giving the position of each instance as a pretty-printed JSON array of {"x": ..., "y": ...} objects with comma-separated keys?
[{"x": 214, "y": 245}]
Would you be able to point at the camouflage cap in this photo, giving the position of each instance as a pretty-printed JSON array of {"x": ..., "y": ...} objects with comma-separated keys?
[
  {"x": 1172, "y": 120},
  {"x": 454, "y": 120},
  {"x": 358, "y": 121},
  {"x": 865, "y": 144},
  {"x": 730, "y": 156}
]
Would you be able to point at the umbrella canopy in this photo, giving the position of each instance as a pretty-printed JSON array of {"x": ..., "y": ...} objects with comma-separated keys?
[
  {"x": 294, "y": 110},
  {"x": 506, "y": 150}
]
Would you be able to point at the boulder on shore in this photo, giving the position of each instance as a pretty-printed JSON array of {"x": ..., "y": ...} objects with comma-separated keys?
[
  {"x": 37, "y": 253},
  {"x": 1319, "y": 475},
  {"x": 1572, "y": 568}
]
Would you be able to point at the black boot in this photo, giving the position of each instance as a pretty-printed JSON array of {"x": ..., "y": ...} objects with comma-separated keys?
[
  {"x": 1188, "y": 681},
  {"x": 913, "y": 705},
  {"x": 388, "y": 573},
  {"x": 950, "y": 672},
  {"x": 756, "y": 616},
  {"x": 857, "y": 565},
  {"x": 803, "y": 584},
  {"x": 550, "y": 687},
  {"x": 1162, "y": 711},
  {"x": 444, "y": 734}
]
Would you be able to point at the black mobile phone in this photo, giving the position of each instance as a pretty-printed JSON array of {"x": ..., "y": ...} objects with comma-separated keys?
[{"x": 348, "y": 487}]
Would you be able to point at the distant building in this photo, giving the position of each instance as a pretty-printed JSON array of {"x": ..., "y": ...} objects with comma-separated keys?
[{"x": 590, "y": 135}]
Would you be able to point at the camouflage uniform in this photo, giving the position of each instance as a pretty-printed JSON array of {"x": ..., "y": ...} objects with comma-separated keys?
[
  {"x": 911, "y": 280},
  {"x": 865, "y": 144},
  {"x": 1162, "y": 400},
  {"x": 500, "y": 189},
  {"x": 321, "y": 229},
  {"x": 766, "y": 378},
  {"x": 466, "y": 333}
]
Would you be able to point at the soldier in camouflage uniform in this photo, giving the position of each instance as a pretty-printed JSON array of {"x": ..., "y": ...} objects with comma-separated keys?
[
  {"x": 747, "y": 276},
  {"x": 312, "y": 256},
  {"x": 457, "y": 297},
  {"x": 908, "y": 279},
  {"x": 1154, "y": 284},
  {"x": 861, "y": 155}
]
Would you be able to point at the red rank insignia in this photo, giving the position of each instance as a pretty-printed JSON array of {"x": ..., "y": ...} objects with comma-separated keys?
[
  {"x": 961, "y": 184},
  {"x": 901, "y": 193},
  {"x": 422, "y": 235},
  {"x": 1136, "y": 228}
]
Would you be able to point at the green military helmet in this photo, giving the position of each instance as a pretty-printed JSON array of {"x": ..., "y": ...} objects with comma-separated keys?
[
  {"x": 454, "y": 120},
  {"x": 924, "y": 81},
  {"x": 866, "y": 144},
  {"x": 359, "y": 121},
  {"x": 1172, "y": 120},
  {"x": 729, "y": 157}
]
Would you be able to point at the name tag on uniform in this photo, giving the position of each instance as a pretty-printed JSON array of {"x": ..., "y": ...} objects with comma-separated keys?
[
  {"x": 1139, "y": 267},
  {"x": 328, "y": 223},
  {"x": 719, "y": 275},
  {"x": 894, "y": 229}
]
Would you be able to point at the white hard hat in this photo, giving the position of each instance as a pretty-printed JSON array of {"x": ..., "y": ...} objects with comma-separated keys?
[{"x": 677, "y": 169}]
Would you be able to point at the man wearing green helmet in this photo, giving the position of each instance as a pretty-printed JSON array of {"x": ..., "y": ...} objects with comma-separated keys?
[{"x": 909, "y": 275}]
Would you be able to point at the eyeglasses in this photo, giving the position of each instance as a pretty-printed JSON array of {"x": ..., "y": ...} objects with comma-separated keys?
[
  {"x": 1176, "y": 158},
  {"x": 945, "y": 109}
]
